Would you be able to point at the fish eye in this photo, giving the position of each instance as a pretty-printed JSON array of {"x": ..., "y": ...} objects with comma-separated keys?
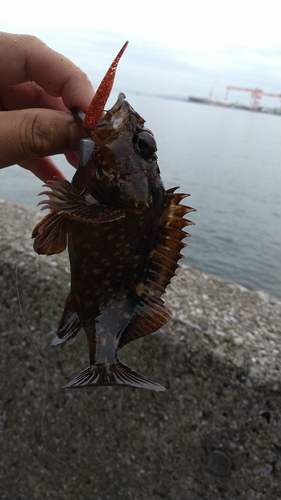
[{"x": 144, "y": 144}]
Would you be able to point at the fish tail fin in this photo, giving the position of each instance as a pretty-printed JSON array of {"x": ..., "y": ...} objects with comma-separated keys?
[{"x": 116, "y": 374}]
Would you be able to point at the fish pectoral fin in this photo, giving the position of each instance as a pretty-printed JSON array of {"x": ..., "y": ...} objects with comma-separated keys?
[
  {"x": 50, "y": 235},
  {"x": 149, "y": 315},
  {"x": 69, "y": 324},
  {"x": 117, "y": 374},
  {"x": 68, "y": 202}
]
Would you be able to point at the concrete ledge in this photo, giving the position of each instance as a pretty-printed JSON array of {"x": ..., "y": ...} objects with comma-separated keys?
[{"x": 214, "y": 434}]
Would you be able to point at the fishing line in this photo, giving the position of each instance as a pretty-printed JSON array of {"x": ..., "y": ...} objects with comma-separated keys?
[{"x": 38, "y": 354}]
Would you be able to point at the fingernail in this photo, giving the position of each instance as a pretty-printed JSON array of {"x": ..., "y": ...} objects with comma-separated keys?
[{"x": 75, "y": 134}]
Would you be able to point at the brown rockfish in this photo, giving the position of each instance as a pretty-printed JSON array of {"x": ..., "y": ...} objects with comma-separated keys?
[{"x": 124, "y": 235}]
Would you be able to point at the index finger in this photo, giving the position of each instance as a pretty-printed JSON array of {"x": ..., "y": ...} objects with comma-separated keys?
[{"x": 26, "y": 58}]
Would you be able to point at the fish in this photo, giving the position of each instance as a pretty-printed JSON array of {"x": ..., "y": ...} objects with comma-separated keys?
[{"x": 124, "y": 235}]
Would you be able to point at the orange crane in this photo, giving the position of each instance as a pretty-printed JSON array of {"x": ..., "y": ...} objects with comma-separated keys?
[{"x": 256, "y": 95}]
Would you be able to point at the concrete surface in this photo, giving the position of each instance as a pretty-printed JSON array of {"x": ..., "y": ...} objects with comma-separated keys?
[{"x": 214, "y": 434}]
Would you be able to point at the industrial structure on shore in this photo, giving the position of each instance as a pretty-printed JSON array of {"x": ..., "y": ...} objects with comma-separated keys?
[{"x": 256, "y": 96}]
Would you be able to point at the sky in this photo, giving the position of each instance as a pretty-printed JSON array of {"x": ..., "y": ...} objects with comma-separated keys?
[{"x": 177, "y": 47}]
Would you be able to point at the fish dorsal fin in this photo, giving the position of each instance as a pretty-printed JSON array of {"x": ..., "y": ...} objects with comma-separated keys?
[
  {"x": 166, "y": 253},
  {"x": 150, "y": 313}
]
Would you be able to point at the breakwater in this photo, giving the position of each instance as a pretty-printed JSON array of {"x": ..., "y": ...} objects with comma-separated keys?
[{"x": 214, "y": 433}]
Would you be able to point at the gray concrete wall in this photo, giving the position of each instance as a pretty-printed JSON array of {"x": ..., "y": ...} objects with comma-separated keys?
[{"x": 214, "y": 434}]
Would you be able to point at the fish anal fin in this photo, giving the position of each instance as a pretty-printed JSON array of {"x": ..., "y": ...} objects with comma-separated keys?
[
  {"x": 118, "y": 374},
  {"x": 50, "y": 235},
  {"x": 69, "y": 324}
]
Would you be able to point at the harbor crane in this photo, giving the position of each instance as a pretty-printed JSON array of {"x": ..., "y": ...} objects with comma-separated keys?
[{"x": 256, "y": 95}]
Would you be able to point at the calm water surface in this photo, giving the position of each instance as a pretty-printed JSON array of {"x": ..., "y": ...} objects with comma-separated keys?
[{"x": 229, "y": 161}]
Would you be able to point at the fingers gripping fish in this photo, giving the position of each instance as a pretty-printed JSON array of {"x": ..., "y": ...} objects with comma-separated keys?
[{"x": 124, "y": 235}]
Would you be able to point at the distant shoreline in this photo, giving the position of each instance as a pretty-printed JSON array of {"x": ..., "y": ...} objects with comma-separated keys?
[{"x": 211, "y": 102}]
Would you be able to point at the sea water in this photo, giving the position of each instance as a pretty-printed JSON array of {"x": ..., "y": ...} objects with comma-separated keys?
[{"x": 230, "y": 162}]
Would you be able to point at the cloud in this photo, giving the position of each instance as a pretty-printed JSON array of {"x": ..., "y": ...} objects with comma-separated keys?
[{"x": 179, "y": 46}]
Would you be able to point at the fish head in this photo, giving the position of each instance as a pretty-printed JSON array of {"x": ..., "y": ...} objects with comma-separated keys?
[
  {"x": 122, "y": 169},
  {"x": 124, "y": 166}
]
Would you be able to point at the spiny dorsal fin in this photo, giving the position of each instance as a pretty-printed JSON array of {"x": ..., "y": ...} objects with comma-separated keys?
[
  {"x": 167, "y": 252},
  {"x": 150, "y": 313}
]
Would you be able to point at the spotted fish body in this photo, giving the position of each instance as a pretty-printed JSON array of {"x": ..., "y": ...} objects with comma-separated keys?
[{"x": 124, "y": 235}]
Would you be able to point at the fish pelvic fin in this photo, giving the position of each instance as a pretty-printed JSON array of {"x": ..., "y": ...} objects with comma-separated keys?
[{"x": 103, "y": 374}]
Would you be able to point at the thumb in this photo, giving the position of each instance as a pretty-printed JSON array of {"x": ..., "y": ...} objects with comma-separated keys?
[{"x": 31, "y": 133}]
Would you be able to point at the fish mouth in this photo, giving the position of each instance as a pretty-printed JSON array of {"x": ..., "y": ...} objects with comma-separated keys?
[
  {"x": 112, "y": 121},
  {"x": 117, "y": 106}
]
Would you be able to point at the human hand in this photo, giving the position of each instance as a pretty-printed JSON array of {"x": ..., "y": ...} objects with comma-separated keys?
[{"x": 38, "y": 87}]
